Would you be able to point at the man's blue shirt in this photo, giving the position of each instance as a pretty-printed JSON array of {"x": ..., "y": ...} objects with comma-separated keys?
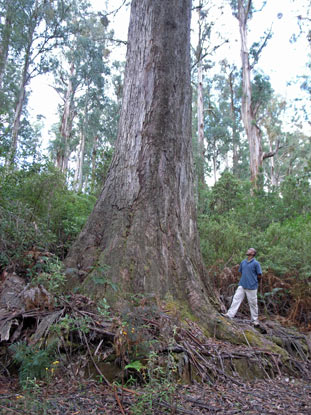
[{"x": 250, "y": 271}]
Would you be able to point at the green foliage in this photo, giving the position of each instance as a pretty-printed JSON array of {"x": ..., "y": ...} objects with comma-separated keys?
[
  {"x": 38, "y": 210},
  {"x": 69, "y": 324},
  {"x": 221, "y": 241},
  {"x": 261, "y": 90},
  {"x": 136, "y": 365},
  {"x": 103, "y": 307},
  {"x": 52, "y": 278},
  {"x": 287, "y": 247},
  {"x": 161, "y": 386},
  {"x": 278, "y": 224},
  {"x": 35, "y": 363},
  {"x": 99, "y": 277},
  {"x": 226, "y": 194},
  {"x": 296, "y": 195}
]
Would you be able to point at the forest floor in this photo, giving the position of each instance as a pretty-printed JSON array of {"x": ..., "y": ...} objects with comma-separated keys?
[
  {"x": 212, "y": 373},
  {"x": 281, "y": 395}
]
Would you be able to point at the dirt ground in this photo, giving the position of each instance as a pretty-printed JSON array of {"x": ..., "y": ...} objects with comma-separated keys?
[{"x": 282, "y": 395}]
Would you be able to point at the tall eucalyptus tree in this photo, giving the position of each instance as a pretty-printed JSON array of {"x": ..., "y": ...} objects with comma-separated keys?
[
  {"x": 142, "y": 234},
  {"x": 40, "y": 29},
  {"x": 81, "y": 82},
  {"x": 7, "y": 11},
  {"x": 202, "y": 53},
  {"x": 243, "y": 10}
]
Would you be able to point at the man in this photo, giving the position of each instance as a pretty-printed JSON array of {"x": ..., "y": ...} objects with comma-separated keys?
[{"x": 250, "y": 270}]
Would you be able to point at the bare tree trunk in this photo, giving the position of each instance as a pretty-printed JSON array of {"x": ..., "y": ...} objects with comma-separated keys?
[
  {"x": 5, "y": 42},
  {"x": 272, "y": 168},
  {"x": 62, "y": 156},
  {"x": 235, "y": 134},
  {"x": 94, "y": 155},
  {"x": 253, "y": 132},
  {"x": 144, "y": 224},
  {"x": 10, "y": 160},
  {"x": 79, "y": 170},
  {"x": 215, "y": 168}
]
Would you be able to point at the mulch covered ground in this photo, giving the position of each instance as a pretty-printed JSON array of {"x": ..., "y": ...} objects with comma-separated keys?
[{"x": 282, "y": 395}]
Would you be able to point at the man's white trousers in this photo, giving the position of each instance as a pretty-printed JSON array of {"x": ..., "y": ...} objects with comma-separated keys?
[{"x": 239, "y": 297}]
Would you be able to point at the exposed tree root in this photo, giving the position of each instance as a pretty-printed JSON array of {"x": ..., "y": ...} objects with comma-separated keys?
[{"x": 117, "y": 341}]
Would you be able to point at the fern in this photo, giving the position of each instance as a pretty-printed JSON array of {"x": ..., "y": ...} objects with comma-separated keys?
[{"x": 34, "y": 362}]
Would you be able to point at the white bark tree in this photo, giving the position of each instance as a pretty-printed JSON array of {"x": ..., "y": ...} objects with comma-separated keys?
[{"x": 249, "y": 109}]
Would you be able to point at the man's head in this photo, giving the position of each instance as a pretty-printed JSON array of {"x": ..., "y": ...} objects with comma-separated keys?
[{"x": 251, "y": 252}]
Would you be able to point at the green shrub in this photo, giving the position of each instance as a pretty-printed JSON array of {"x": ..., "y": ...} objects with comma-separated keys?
[
  {"x": 51, "y": 277},
  {"x": 35, "y": 363},
  {"x": 221, "y": 241},
  {"x": 287, "y": 247},
  {"x": 19, "y": 232},
  {"x": 38, "y": 210}
]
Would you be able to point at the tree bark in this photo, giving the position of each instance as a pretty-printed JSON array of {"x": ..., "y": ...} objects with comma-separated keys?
[
  {"x": 78, "y": 179},
  {"x": 235, "y": 133},
  {"x": 93, "y": 163},
  {"x": 5, "y": 42},
  {"x": 10, "y": 160},
  {"x": 274, "y": 181},
  {"x": 200, "y": 105},
  {"x": 200, "y": 110},
  {"x": 253, "y": 132},
  {"x": 143, "y": 226},
  {"x": 62, "y": 156}
]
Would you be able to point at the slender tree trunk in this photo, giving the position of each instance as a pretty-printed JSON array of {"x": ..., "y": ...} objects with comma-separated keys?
[
  {"x": 215, "y": 168},
  {"x": 79, "y": 171},
  {"x": 78, "y": 179},
  {"x": 22, "y": 90},
  {"x": 10, "y": 160},
  {"x": 235, "y": 134},
  {"x": 5, "y": 42},
  {"x": 253, "y": 132},
  {"x": 143, "y": 226},
  {"x": 62, "y": 156},
  {"x": 274, "y": 181},
  {"x": 94, "y": 155}
]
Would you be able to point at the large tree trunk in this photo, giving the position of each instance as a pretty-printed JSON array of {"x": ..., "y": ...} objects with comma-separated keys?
[
  {"x": 200, "y": 105},
  {"x": 142, "y": 233},
  {"x": 201, "y": 145},
  {"x": 253, "y": 132},
  {"x": 141, "y": 236}
]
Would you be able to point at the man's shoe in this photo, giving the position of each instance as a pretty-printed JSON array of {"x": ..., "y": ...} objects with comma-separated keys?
[
  {"x": 226, "y": 315},
  {"x": 260, "y": 328}
]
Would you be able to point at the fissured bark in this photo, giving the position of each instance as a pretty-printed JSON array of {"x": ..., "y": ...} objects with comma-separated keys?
[{"x": 143, "y": 226}]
